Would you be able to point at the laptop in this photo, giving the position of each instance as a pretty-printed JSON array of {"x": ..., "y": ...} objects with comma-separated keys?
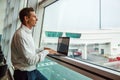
[{"x": 62, "y": 46}]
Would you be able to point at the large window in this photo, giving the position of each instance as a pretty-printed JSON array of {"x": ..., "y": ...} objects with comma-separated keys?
[
  {"x": 90, "y": 24},
  {"x": 2, "y": 16},
  {"x": 72, "y": 15}
]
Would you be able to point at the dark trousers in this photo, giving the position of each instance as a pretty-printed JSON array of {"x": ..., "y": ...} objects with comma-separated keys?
[{"x": 28, "y": 75}]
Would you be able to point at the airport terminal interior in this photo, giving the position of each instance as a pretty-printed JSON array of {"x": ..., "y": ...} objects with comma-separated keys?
[{"x": 93, "y": 27}]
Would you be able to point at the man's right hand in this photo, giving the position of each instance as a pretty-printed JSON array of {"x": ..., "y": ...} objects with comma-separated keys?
[{"x": 51, "y": 51}]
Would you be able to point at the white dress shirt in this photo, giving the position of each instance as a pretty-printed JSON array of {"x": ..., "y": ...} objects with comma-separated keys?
[{"x": 23, "y": 53}]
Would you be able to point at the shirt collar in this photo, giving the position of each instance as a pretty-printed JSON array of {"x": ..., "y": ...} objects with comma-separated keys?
[{"x": 26, "y": 29}]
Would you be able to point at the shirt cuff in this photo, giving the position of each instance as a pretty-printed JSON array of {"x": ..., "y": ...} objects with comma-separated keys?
[
  {"x": 39, "y": 50},
  {"x": 43, "y": 54}
]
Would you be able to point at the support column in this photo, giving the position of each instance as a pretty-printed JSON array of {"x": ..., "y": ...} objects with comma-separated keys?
[{"x": 84, "y": 54}]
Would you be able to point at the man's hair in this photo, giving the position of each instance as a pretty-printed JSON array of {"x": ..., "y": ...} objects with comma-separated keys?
[{"x": 25, "y": 12}]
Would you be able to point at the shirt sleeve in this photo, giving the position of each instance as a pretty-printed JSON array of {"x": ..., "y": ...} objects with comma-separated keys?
[
  {"x": 39, "y": 50},
  {"x": 43, "y": 54}
]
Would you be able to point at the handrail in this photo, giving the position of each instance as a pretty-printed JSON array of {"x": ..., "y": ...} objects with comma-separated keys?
[{"x": 87, "y": 69}]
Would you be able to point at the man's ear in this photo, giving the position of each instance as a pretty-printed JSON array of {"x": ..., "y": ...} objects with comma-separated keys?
[{"x": 26, "y": 18}]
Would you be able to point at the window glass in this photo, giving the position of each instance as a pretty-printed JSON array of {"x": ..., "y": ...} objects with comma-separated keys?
[
  {"x": 71, "y": 15},
  {"x": 80, "y": 20},
  {"x": 110, "y": 14},
  {"x": 2, "y": 15}
]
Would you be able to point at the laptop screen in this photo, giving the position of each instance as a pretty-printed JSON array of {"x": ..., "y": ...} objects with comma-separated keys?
[{"x": 63, "y": 45}]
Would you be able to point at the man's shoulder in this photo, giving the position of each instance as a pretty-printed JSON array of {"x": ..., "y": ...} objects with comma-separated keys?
[{"x": 18, "y": 33}]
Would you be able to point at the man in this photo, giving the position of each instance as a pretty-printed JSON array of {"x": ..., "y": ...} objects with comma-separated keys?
[{"x": 24, "y": 56}]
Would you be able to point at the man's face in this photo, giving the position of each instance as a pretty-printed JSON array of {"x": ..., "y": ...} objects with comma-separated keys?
[{"x": 32, "y": 19}]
